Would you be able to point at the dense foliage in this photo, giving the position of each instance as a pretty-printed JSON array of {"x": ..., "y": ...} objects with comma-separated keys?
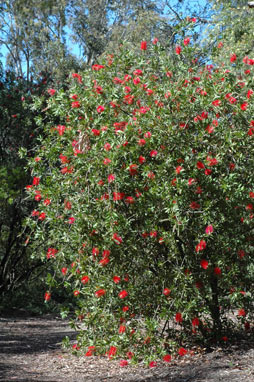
[{"x": 145, "y": 197}]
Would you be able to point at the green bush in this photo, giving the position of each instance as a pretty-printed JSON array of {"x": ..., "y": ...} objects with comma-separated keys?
[{"x": 145, "y": 199}]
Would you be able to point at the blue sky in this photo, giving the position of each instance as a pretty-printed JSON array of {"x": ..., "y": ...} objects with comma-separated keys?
[{"x": 75, "y": 49}]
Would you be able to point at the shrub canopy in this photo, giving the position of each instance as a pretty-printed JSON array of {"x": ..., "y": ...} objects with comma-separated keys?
[{"x": 145, "y": 193}]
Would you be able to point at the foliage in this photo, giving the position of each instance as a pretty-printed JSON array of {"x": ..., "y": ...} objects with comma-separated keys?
[
  {"x": 145, "y": 198},
  {"x": 17, "y": 129},
  {"x": 231, "y": 23}
]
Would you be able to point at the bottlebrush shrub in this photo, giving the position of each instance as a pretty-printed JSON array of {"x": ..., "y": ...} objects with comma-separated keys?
[{"x": 146, "y": 191}]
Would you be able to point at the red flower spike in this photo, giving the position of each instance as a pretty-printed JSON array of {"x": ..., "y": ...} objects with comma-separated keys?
[
  {"x": 166, "y": 292},
  {"x": 85, "y": 280},
  {"x": 201, "y": 246},
  {"x": 100, "y": 293},
  {"x": 123, "y": 363},
  {"x": 47, "y": 296},
  {"x": 182, "y": 352},
  {"x": 204, "y": 264},
  {"x": 178, "y": 317},
  {"x": 241, "y": 312},
  {"x": 167, "y": 358},
  {"x": 143, "y": 45},
  {"x": 123, "y": 294}
]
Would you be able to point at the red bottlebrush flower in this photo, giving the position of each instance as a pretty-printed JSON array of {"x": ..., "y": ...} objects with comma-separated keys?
[
  {"x": 118, "y": 195},
  {"x": 182, "y": 352},
  {"x": 178, "y": 317},
  {"x": 105, "y": 253},
  {"x": 122, "y": 329},
  {"x": 78, "y": 76},
  {"x": 96, "y": 132},
  {"x": 195, "y": 321},
  {"x": 123, "y": 363},
  {"x": 76, "y": 293},
  {"x": 36, "y": 181},
  {"x": 212, "y": 161},
  {"x": 71, "y": 220},
  {"x": 153, "y": 153},
  {"x": 209, "y": 229},
  {"x": 111, "y": 178},
  {"x": 216, "y": 102},
  {"x": 251, "y": 131},
  {"x": 51, "y": 253},
  {"x": 167, "y": 358},
  {"x": 42, "y": 216},
  {"x": 104, "y": 261},
  {"x": 95, "y": 251},
  {"x": 141, "y": 142},
  {"x": 112, "y": 351},
  {"x": 155, "y": 40},
  {"x": 194, "y": 205},
  {"x": 179, "y": 169},
  {"x": 107, "y": 146},
  {"x": 208, "y": 171},
  {"x": 133, "y": 169},
  {"x": 100, "y": 293},
  {"x": 249, "y": 93},
  {"x": 61, "y": 129},
  {"x": 141, "y": 159},
  {"x": 106, "y": 161},
  {"x": 244, "y": 106},
  {"x": 151, "y": 175},
  {"x": 116, "y": 279},
  {"x": 204, "y": 264},
  {"x": 37, "y": 197},
  {"x": 64, "y": 270},
  {"x": 241, "y": 312},
  {"x": 100, "y": 109},
  {"x": 178, "y": 49},
  {"x": 47, "y": 296},
  {"x": 200, "y": 165},
  {"x": 166, "y": 292},
  {"x": 217, "y": 271},
  {"x": 233, "y": 57},
  {"x": 117, "y": 239},
  {"x": 153, "y": 364},
  {"x": 129, "y": 354},
  {"x": 51, "y": 91},
  {"x": 224, "y": 338},
  {"x": 210, "y": 129},
  {"x": 75, "y": 104},
  {"x": 97, "y": 67},
  {"x": 191, "y": 181},
  {"x": 123, "y": 294},
  {"x": 67, "y": 205},
  {"x": 85, "y": 280},
  {"x": 174, "y": 181},
  {"x": 129, "y": 200},
  {"x": 143, "y": 45},
  {"x": 125, "y": 309},
  {"x": 201, "y": 246},
  {"x": 35, "y": 213},
  {"x": 47, "y": 202},
  {"x": 251, "y": 194},
  {"x": 186, "y": 41}
]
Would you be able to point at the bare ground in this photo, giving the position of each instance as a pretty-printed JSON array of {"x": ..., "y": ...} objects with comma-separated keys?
[{"x": 30, "y": 350}]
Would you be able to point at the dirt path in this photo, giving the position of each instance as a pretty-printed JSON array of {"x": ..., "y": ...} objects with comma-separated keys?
[{"x": 30, "y": 350}]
